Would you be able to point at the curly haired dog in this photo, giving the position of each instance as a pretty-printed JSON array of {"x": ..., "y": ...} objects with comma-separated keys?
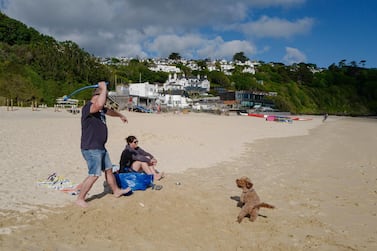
[{"x": 249, "y": 199}]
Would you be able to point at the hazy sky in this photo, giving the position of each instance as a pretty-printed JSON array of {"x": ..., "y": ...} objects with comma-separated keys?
[{"x": 321, "y": 32}]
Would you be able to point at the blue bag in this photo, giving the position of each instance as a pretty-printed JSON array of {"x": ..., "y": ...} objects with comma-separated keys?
[{"x": 136, "y": 181}]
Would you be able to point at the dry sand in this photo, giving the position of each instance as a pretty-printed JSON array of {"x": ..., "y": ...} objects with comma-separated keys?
[{"x": 322, "y": 177}]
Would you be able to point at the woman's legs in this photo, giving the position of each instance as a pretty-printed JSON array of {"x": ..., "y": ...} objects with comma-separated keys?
[{"x": 143, "y": 166}]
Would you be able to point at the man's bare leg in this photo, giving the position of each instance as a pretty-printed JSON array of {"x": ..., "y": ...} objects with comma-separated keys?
[
  {"x": 86, "y": 185},
  {"x": 113, "y": 185}
]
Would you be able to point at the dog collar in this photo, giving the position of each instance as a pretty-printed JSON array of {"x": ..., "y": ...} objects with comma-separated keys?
[{"x": 249, "y": 190}]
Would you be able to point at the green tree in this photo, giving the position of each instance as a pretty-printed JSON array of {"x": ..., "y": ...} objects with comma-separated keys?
[
  {"x": 240, "y": 56},
  {"x": 174, "y": 56},
  {"x": 244, "y": 81},
  {"x": 219, "y": 79}
]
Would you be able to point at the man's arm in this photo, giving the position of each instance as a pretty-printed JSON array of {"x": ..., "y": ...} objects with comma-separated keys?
[
  {"x": 144, "y": 155},
  {"x": 114, "y": 113},
  {"x": 100, "y": 101}
]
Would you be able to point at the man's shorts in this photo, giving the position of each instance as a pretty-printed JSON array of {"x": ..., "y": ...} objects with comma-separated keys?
[{"x": 97, "y": 161}]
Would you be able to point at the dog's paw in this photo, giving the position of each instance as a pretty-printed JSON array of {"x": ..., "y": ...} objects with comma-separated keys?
[{"x": 239, "y": 219}]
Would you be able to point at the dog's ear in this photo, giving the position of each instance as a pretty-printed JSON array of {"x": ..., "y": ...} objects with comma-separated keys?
[{"x": 239, "y": 182}]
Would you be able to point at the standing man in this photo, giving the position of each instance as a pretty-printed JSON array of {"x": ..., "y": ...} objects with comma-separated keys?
[{"x": 93, "y": 139}]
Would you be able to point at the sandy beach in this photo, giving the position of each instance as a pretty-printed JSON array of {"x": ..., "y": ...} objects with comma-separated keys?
[{"x": 322, "y": 178}]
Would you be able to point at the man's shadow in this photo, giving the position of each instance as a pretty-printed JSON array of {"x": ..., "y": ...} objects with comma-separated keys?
[{"x": 106, "y": 190}]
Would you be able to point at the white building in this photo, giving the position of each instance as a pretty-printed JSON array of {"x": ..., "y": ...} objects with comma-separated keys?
[
  {"x": 182, "y": 83},
  {"x": 147, "y": 95},
  {"x": 143, "y": 94},
  {"x": 165, "y": 68},
  {"x": 144, "y": 90},
  {"x": 175, "y": 101},
  {"x": 248, "y": 66}
]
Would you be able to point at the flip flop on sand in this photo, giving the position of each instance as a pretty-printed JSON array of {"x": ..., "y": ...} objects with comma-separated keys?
[
  {"x": 162, "y": 175},
  {"x": 156, "y": 187}
]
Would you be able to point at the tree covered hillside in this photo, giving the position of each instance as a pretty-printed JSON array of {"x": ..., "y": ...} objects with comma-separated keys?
[
  {"x": 35, "y": 67},
  {"x": 340, "y": 89}
]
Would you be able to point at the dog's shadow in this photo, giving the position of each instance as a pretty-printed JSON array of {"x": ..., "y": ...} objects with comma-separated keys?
[
  {"x": 238, "y": 199},
  {"x": 240, "y": 204}
]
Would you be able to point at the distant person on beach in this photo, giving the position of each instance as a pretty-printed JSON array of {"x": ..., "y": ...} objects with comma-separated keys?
[
  {"x": 94, "y": 134},
  {"x": 325, "y": 117},
  {"x": 135, "y": 159}
]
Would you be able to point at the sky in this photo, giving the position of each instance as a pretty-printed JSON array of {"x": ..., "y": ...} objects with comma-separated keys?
[{"x": 320, "y": 32}]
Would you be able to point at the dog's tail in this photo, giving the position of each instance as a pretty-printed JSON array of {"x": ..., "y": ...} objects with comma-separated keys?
[{"x": 262, "y": 204}]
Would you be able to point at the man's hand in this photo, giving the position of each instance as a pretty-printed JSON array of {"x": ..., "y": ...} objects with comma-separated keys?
[
  {"x": 102, "y": 85},
  {"x": 153, "y": 161},
  {"x": 114, "y": 113},
  {"x": 123, "y": 118}
]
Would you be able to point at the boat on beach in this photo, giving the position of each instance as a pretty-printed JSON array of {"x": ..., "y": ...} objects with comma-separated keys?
[{"x": 278, "y": 118}]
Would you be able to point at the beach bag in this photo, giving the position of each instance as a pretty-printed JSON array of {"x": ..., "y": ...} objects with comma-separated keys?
[{"x": 136, "y": 181}]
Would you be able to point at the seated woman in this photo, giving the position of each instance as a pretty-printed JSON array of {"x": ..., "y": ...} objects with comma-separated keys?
[{"x": 135, "y": 159}]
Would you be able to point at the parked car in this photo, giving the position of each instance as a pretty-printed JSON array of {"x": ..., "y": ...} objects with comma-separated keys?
[
  {"x": 242, "y": 112},
  {"x": 142, "y": 109}
]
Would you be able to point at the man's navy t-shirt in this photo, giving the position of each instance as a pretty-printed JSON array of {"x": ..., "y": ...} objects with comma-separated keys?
[{"x": 93, "y": 128}]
